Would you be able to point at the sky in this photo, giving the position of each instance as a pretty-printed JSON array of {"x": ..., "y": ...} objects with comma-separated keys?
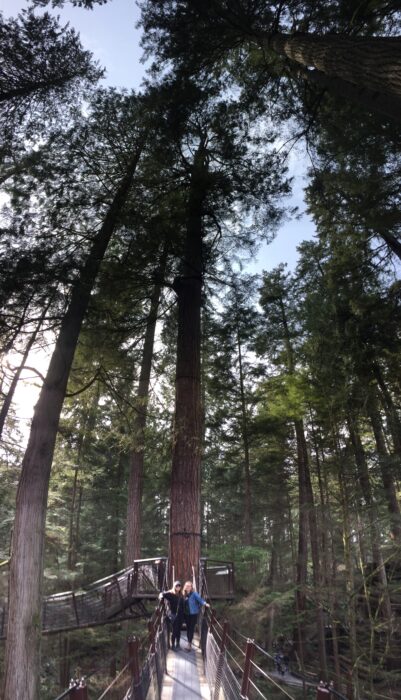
[{"x": 109, "y": 32}]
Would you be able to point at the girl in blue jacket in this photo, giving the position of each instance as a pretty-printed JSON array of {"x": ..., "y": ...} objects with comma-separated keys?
[{"x": 192, "y": 605}]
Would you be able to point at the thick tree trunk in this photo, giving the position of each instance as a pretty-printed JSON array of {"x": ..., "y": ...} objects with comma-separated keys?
[
  {"x": 365, "y": 70},
  {"x": 387, "y": 477},
  {"x": 135, "y": 480},
  {"x": 376, "y": 102},
  {"x": 11, "y": 390},
  {"x": 371, "y": 62},
  {"x": 185, "y": 507},
  {"x": 248, "y": 534},
  {"x": 24, "y": 623}
]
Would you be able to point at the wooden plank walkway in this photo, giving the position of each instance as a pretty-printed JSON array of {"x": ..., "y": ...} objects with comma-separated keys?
[{"x": 185, "y": 679}]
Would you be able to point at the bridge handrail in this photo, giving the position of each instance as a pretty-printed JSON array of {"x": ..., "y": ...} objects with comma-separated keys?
[
  {"x": 226, "y": 639},
  {"x": 100, "y": 583}
]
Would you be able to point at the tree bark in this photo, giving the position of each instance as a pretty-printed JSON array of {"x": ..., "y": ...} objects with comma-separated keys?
[
  {"x": 185, "y": 507},
  {"x": 371, "y": 62},
  {"x": 377, "y": 102},
  {"x": 26, "y": 571},
  {"x": 135, "y": 481}
]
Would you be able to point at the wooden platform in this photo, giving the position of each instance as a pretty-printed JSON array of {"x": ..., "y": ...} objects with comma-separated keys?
[{"x": 185, "y": 679}]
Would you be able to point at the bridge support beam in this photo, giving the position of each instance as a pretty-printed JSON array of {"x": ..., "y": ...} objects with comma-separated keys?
[{"x": 249, "y": 654}]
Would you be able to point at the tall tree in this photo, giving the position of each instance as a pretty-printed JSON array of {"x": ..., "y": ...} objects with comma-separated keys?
[{"x": 24, "y": 622}]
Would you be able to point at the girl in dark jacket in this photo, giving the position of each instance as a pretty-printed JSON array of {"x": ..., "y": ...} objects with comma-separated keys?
[{"x": 175, "y": 616}]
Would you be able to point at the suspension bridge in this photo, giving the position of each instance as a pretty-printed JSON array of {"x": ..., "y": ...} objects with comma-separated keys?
[{"x": 223, "y": 664}]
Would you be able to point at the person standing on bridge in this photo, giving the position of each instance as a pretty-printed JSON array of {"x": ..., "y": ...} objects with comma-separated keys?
[
  {"x": 192, "y": 605},
  {"x": 175, "y": 617}
]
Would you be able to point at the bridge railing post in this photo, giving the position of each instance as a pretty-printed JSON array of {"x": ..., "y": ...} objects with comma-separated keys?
[
  {"x": 133, "y": 656},
  {"x": 79, "y": 692},
  {"x": 322, "y": 692},
  {"x": 220, "y": 660},
  {"x": 249, "y": 654}
]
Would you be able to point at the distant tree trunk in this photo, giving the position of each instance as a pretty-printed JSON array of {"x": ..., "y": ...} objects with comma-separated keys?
[
  {"x": 365, "y": 69},
  {"x": 85, "y": 433},
  {"x": 64, "y": 663},
  {"x": 185, "y": 507},
  {"x": 387, "y": 477},
  {"x": 307, "y": 517},
  {"x": 11, "y": 390},
  {"x": 329, "y": 561},
  {"x": 302, "y": 556},
  {"x": 135, "y": 481},
  {"x": 393, "y": 418},
  {"x": 364, "y": 481},
  {"x": 248, "y": 534},
  {"x": 349, "y": 572},
  {"x": 117, "y": 515},
  {"x": 22, "y": 662},
  {"x": 277, "y": 535}
]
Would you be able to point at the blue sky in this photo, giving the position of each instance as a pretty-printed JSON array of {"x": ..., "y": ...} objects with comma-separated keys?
[{"x": 109, "y": 32}]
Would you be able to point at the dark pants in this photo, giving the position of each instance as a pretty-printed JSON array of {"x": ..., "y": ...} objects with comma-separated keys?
[
  {"x": 174, "y": 628},
  {"x": 190, "y": 621}
]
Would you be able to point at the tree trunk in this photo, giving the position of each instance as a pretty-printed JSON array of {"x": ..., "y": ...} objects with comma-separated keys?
[
  {"x": 393, "y": 419},
  {"x": 185, "y": 507},
  {"x": 135, "y": 481},
  {"x": 363, "y": 477},
  {"x": 76, "y": 496},
  {"x": 350, "y": 582},
  {"x": 307, "y": 516},
  {"x": 370, "y": 62},
  {"x": 26, "y": 571},
  {"x": 248, "y": 534},
  {"x": 387, "y": 477},
  {"x": 302, "y": 557}
]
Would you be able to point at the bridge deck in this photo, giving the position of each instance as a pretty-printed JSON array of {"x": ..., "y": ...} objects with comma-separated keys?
[{"x": 185, "y": 679}]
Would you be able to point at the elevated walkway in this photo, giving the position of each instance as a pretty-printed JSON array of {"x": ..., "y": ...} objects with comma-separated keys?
[{"x": 121, "y": 596}]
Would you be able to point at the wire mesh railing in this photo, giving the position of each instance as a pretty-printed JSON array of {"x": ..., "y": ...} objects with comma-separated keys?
[
  {"x": 237, "y": 668},
  {"x": 110, "y": 599}
]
